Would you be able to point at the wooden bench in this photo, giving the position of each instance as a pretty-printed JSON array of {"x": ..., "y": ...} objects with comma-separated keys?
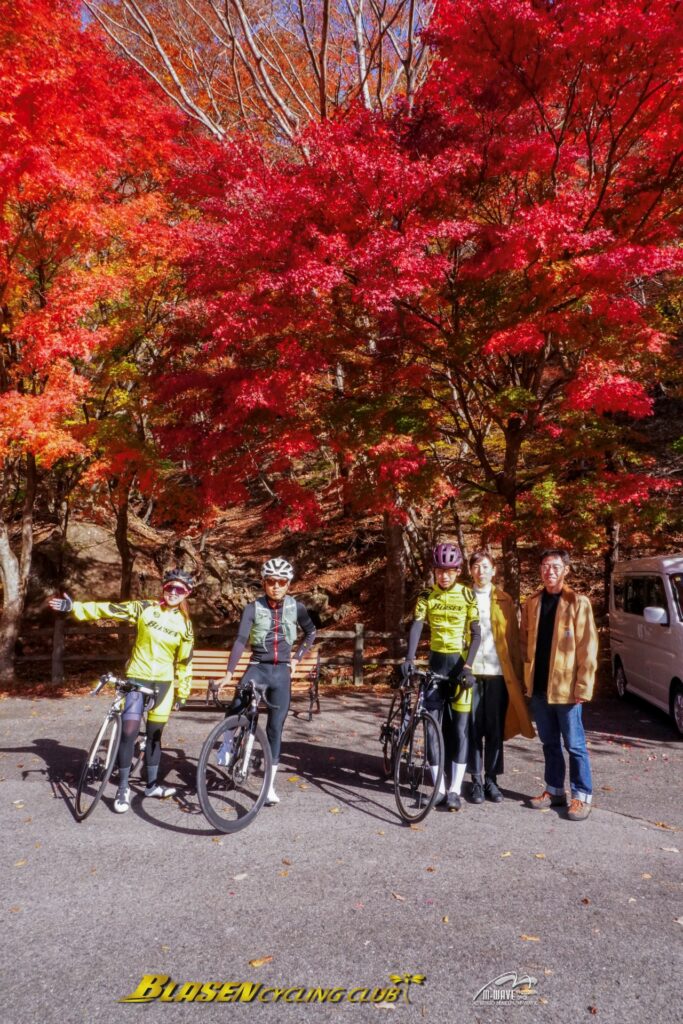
[{"x": 208, "y": 666}]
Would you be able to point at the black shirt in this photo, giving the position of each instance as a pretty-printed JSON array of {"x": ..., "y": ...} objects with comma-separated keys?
[{"x": 544, "y": 640}]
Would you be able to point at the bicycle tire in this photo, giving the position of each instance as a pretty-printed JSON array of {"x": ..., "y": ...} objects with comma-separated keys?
[
  {"x": 415, "y": 790},
  {"x": 97, "y": 767},
  {"x": 390, "y": 735},
  {"x": 229, "y": 799}
]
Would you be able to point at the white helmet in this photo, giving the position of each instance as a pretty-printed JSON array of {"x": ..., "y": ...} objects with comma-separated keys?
[{"x": 279, "y": 568}]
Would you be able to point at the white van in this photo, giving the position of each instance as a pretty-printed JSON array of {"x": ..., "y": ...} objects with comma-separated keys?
[{"x": 646, "y": 631}]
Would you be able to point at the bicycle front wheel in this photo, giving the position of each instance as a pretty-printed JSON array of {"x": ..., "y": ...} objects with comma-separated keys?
[
  {"x": 98, "y": 767},
  {"x": 389, "y": 736},
  {"x": 233, "y": 773},
  {"x": 418, "y": 770}
]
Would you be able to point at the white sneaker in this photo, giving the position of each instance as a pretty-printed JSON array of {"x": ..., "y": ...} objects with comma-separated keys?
[
  {"x": 159, "y": 791},
  {"x": 122, "y": 801}
]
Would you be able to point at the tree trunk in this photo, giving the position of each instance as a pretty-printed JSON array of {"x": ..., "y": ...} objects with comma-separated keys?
[
  {"x": 511, "y": 580},
  {"x": 14, "y": 572},
  {"x": 395, "y": 576},
  {"x": 611, "y": 557},
  {"x": 124, "y": 549}
]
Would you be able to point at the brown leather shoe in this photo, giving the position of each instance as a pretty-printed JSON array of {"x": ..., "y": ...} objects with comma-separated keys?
[
  {"x": 578, "y": 810},
  {"x": 546, "y": 799}
]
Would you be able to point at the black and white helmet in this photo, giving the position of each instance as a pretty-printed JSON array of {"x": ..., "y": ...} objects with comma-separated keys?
[{"x": 279, "y": 568}]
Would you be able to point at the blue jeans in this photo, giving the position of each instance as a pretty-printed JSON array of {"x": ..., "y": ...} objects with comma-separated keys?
[{"x": 557, "y": 723}]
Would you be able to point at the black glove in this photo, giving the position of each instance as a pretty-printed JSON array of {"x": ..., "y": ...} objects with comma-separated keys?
[
  {"x": 407, "y": 669},
  {"x": 465, "y": 679},
  {"x": 63, "y": 604}
]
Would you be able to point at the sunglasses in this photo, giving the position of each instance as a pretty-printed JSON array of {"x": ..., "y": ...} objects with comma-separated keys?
[
  {"x": 171, "y": 589},
  {"x": 276, "y": 583}
]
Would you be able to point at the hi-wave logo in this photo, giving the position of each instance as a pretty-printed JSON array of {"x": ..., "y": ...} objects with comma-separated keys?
[
  {"x": 161, "y": 988},
  {"x": 507, "y": 988}
]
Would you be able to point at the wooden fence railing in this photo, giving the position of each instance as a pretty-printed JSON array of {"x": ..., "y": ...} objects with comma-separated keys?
[{"x": 107, "y": 643}]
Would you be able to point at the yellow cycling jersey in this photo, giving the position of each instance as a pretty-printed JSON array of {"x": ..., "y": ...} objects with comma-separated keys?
[
  {"x": 449, "y": 614},
  {"x": 164, "y": 641}
]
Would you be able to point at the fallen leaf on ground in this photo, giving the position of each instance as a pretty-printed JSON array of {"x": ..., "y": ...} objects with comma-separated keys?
[
  {"x": 445, "y": 919},
  {"x": 632, "y": 899},
  {"x": 397, "y": 896},
  {"x": 165, "y": 949},
  {"x": 285, "y": 860},
  {"x": 417, "y": 828},
  {"x": 20, "y": 863},
  {"x": 430, "y": 869},
  {"x": 304, "y": 785},
  {"x": 663, "y": 824},
  {"x": 593, "y": 1010},
  {"x": 671, "y": 849},
  {"x": 15, "y": 910},
  {"x": 543, "y": 1000},
  {"x": 539, "y": 856},
  {"x": 240, "y": 878},
  {"x": 216, "y": 839},
  {"x": 508, "y": 853},
  {"x": 645, "y": 874},
  {"x": 283, "y": 874},
  {"x": 260, "y": 961},
  {"x": 607, "y": 789},
  {"x": 530, "y": 938},
  {"x": 293, "y": 778},
  {"x": 334, "y": 810},
  {"x": 585, "y": 900},
  {"x": 380, "y": 832}
]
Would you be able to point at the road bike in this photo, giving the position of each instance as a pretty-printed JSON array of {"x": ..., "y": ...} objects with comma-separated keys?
[
  {"x": 233, "y": 773},
  {"x": 99, "y": 764},
  {"x": 397, "y": 719},
  {"x": 417, "y": 754}
]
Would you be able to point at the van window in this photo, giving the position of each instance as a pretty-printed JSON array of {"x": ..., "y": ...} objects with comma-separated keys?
[
  {"x": 619, "y": 587},
  {"x": 677, "y": 588},
  {"x": 635, "y": 594},
  {"x": 642, "y": 592}
]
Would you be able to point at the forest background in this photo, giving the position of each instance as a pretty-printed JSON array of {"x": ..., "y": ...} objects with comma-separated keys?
[{"x": 335, "y": 279}]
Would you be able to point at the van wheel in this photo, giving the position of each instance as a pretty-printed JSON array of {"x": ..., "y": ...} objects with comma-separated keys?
[
  {"x": 677, "y": 706},
  {"x": 620, "y": 680}
]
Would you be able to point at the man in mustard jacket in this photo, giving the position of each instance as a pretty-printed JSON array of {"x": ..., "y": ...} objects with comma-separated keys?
[{"x": 560, "y": 651}]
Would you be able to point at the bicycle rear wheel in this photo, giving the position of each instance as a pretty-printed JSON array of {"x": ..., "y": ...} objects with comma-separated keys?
[
  {"x": 419, "y": 757},
  {"x": 98, "y": 767},
  {"x": 389, "y": 735},
  {"x": 232, "y": 794}
]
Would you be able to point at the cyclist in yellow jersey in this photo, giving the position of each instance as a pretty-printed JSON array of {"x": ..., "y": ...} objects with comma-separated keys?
[
  {"x": 451, "y": 611},
  {"x": 162, "y": 655}
]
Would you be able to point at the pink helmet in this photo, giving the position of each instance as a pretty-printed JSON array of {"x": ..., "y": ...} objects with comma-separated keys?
[{"x": 446, "y": 556}]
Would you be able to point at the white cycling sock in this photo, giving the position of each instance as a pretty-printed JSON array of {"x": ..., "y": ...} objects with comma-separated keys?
[
  {"x": 457, "y": 775},
  {"x": 434, "y": 769},
  {"x": 271, "y": 795}
]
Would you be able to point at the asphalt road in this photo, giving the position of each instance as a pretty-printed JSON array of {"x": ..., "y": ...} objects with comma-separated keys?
[{"x": 330, "y": 890}]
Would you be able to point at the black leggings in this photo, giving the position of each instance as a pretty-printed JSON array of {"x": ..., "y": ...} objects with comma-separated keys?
[
  {"x": 131, "y": 727},
  {"x": 454, "y": 724},
  {"x": 277, "y": 684}
]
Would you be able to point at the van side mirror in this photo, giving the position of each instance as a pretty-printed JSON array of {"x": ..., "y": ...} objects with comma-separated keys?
[{"x": 656, "y": 616}]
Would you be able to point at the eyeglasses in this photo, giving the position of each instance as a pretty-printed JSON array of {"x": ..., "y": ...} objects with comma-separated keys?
[
  {"x": 270, "y": 581},
  {"x": 171, "y": 589},
  {"x": 552, "y": 568}
]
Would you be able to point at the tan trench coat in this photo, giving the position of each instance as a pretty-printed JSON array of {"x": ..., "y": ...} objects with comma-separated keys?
[
  {"x": 506, "y": 638},
  {"x": 574, "y": 651}
]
